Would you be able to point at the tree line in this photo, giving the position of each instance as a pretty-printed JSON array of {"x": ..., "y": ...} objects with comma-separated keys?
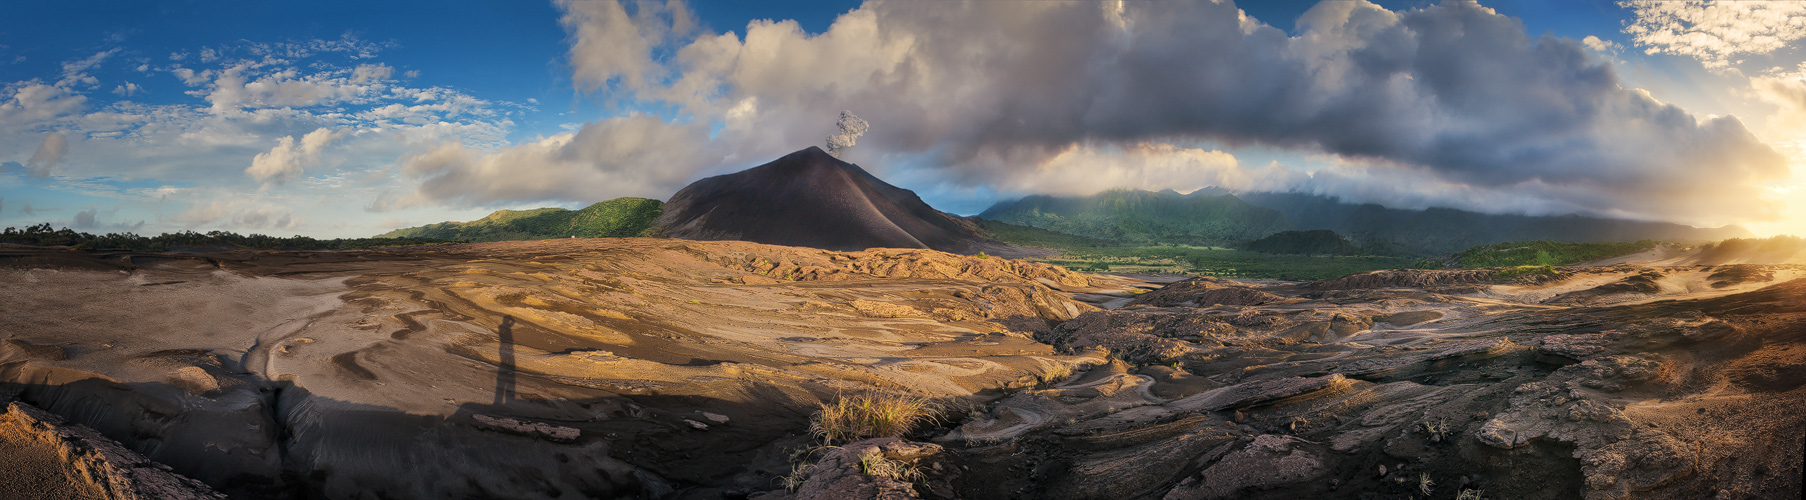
[{"x": 45, "y": 235}]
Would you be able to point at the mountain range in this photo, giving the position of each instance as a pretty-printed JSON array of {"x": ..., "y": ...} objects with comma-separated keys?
[
  {"x": 810, "y": 198},
  {"x": 1217, "y": 217}
]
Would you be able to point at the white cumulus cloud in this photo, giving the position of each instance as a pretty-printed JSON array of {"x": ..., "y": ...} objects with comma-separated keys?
[
  {"x": 289, "y": 158},
  {"x": 1716, "y": 32}
]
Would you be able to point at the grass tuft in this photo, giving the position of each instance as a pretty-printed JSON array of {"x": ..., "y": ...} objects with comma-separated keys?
[
  {"x": 799, "y": 474},
  {"x": 869, "y": 415},
  {"x": 873, "y": 463}
]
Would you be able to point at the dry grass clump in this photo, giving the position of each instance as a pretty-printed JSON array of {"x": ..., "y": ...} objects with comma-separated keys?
[
  {"x": 873, "y": 463},
  {"x": 869, "y": 415},
  {"x": 1056, "y": 373}
]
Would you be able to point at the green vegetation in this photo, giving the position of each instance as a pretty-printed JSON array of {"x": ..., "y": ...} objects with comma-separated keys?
[
  {"x": 1144, "y": 217},
  {"x": 869, "y": 415},
  {"x": 618, "y": 217},
  {"x": 1034, "y": 236},
  {"x": 1080, "y": 253},
  {"x": 1539, "y": 253},
  {"x": 1515, "y": 272},
  {"x": 42, "y": 234},
  {"x": 1316, "y": 242},
  {"x": 1216, "y": 261}
]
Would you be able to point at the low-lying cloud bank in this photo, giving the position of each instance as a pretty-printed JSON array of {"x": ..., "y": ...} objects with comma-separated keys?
[{"x": 1454, "y": 99}]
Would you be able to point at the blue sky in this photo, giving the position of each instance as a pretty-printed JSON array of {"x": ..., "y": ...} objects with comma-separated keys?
[{"x": 341, "y": 119}]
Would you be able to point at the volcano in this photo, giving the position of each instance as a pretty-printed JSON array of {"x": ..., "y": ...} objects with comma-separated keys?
[{"x": 811, "y": 199}]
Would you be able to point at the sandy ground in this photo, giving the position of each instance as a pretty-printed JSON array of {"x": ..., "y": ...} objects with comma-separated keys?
[
  {"x": 669, "y": 364},
  {"x": 656, "y": 368},
  {"x": 31, "y": 469}
]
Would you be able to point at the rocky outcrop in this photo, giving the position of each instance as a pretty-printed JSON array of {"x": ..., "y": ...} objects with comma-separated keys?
[
  {"x": 877, "y": 469},
  {"x": 1206, "y": 292},
  {"x": 1408, "y": 278},
  {"x": 1268, "y": 460}
]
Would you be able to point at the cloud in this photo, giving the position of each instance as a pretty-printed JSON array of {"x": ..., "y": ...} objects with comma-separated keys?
[
  {"x": 32, "y": 103},
  {"x": 49, "y": 152},
  {"x": 1086, "y": 168},
  {"x": 240, "y": 213},
  {"x": 240, "y": 86},
  {"x": 365, "y": 73},
  {"x": 1715, "y": 32},
  {"x": 629, "y": 156},
  {"x": 83, "y": 220},
  {"x": 127, "y": 89},
  {"x": 76, "y": 71},
  {"x": 288, "y": 159},
  {"x": 610, "y": 44},
  {"x": 992, "y": 92},
  {"x": 1600, "y": 44}
]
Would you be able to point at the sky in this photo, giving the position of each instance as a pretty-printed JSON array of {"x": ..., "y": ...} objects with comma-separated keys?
[{"x": 349, "y": 119}]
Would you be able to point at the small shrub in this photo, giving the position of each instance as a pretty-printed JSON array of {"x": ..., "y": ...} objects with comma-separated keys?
[
  {"x": 1424, "y": 483},
  {"x": 1469, "y": 495},
  {"x": 981, "y": 255},
  {"x": 869, "y": 415},
  {"x": 1436, "y": 429}
]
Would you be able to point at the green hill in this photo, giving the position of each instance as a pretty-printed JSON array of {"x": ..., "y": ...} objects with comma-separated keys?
[
  {"x": 1314, "y": 242},
  {"x": 1144, "y": 217},
  {"x": 618, "y": 217},
  {"x": 1034, "y": 236}
]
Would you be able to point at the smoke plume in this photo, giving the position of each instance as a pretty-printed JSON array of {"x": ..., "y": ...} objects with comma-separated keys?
[{"x": 851, "y": 127}]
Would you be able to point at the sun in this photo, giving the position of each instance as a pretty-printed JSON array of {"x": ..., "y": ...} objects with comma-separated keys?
[{"x": 1791, "y": 194}]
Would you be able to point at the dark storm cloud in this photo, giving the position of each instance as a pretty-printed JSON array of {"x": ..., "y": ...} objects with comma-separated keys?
[{"x": 995, "y": 91}]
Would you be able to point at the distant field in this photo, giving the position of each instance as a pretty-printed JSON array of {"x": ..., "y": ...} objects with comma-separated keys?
[
  {"x": 1538, "y": 253},
  {"x": 1080, "y": 253},
  {"x": 1216, "y": 261}
]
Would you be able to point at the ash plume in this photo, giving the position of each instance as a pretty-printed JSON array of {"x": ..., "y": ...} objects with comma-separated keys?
[{"x": 851, "y": 127}]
